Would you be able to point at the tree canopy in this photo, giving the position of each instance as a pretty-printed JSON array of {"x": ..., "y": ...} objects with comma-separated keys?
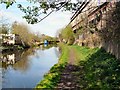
[
  {"x": 33, "y": 13},
  {"x": 4, "y": 29},
  {"x": 25, "y": 35}
]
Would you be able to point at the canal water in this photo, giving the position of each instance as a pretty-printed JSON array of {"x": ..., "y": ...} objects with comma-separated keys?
[{"x": 24, "y": 69}]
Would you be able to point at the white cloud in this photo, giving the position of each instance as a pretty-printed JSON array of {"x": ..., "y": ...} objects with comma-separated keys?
[{"x": 52, "y": 23}]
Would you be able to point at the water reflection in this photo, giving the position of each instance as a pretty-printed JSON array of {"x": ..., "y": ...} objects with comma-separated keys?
[
  {"x": 16, "y": 59},
  {"x": 24, "y": 69},
  {"x": 47, "y": 46}
]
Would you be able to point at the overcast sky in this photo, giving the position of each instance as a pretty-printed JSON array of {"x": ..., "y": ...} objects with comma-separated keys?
[{"x": 48, "y": 26}]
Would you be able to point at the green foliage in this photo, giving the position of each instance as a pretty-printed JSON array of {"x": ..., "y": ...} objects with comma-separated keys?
[
  {"x": 103, "y": 71},
  {"x": 49, "y": 81},
  {"x": 7, "y": 2},
  {"x": 67, "y": 34}
]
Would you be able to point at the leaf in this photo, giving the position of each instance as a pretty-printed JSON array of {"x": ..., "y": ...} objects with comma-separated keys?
[{"x": 9, "y": 3}]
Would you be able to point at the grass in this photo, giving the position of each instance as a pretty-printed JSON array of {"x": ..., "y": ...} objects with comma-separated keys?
[
  {"x": 82, "y": 52},
  {"x": 100, "y": 70},
  {"x": 52, "y": 77}
]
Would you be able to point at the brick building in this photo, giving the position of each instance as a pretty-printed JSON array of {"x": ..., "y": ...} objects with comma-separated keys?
[{"x": 99, "y": 21}]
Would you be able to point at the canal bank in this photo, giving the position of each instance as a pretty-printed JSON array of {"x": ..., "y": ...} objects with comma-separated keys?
[{"x": 83, "y": 68}]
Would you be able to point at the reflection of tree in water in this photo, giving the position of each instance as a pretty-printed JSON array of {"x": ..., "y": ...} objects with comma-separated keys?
[
  {"x": 20, "y": 59},
  {"x": 23, "y": 63},
  {"x": 50, "y": 46},
  {"x": 0, "y": 64},
  {"x": 4, "y": 65},
  {"x": 3, "y": 75},
  {"x": 43, "y": 47}
]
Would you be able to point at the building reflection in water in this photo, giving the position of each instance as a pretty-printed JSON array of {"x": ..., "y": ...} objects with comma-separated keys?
[
  {"x": 16, "y": 59},
  {"x": 8, "y": 59}
]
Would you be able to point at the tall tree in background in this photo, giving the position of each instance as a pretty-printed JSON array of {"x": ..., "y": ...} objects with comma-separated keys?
[
  {"x": 23, "y": 31},
  {"x": 4, "y": 29}
]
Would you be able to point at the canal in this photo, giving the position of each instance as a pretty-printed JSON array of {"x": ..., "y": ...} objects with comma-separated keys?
[{"x": 24, "y": 69}]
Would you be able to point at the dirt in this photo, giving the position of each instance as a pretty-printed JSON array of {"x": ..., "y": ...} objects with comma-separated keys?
[
  {"x": 68, "y": 79},
  {"x": 72, "y": 56}
]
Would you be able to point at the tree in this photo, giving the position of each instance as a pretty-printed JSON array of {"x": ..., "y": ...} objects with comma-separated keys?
[
  {"x": 4, "y": 26},
  {"x": 46, "y": 7},
  {"x": 67, "y": 35},
  {"x": 4, "y": 29},
  {"x": 23, "y": 31}
]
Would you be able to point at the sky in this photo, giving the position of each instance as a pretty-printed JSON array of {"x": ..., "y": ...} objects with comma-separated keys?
[{"x": 48, "y": 26}]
